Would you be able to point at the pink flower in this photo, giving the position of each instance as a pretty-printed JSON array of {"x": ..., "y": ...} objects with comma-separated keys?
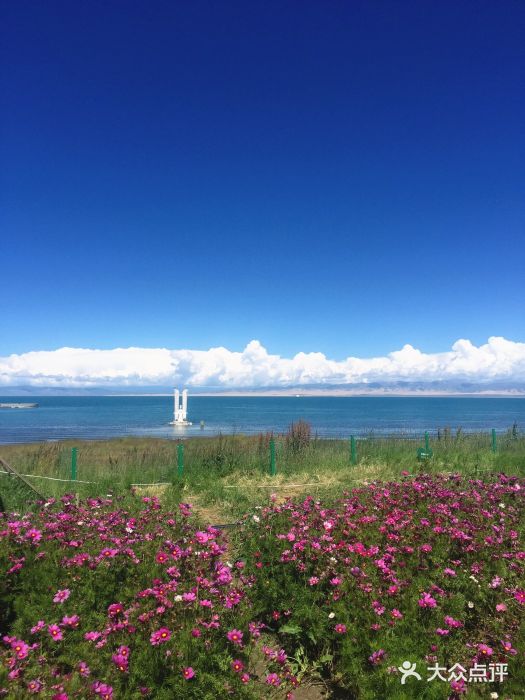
[
  {"x": 38, "y": 627},
  {"x": 449, "y": 572},
  {"x": 201, "y": 537},
  {"x": 235, "y": 636},
  {"x": 396, "y": 614},
  {"x": 273, "y": 679},
  {"x": 377, "y": 657},
  {"x": 55, "y": 632},
  {"x": 237, "y": 665},
  {"x": 20, "y": 648},
  {"x": 426, "y": 601},
  {"x": 450, "y": 622},
  {"x": 519, "y": 595},
  {"x": 61, "y": 596},
  {"x": 340, "y": 628},
  {"x": 115, "y": 609},
  {"x": 34, "y": 686},
  {"x": 188, "y": 673},
  {"x": 121, "y": 662},
  {"x": 485, "y": 650},
  {"x": 442, "y": 632},
  {"x": 34, "y": 535},
  {"x": 105, "y": 691},
  {"x": 313, "y": 580},
  {"x": 71, "y": 621},
  {"x": 160, "y": 636},
  {"x": 501, "y": 607},
  {"x": 92, "y": 636},
  {"x": 507, "y": 646},
  {"x": 83, "y": 669},
  {"x": 245, "y": 678},
  {"x": 161, "y": 558}
]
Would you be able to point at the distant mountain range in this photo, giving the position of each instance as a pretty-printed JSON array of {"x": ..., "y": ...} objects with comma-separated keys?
[{"x": 399, "y": 388}]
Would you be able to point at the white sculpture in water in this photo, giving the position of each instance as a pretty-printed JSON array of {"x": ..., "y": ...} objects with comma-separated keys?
[{"x": 180, "y": 411}]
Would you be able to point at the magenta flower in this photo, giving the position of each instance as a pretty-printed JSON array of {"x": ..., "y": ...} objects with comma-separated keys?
[
  {"x": 61, "y": 596},
  {"x": 55, "y": 632},
  {"x": 115, "y": 609},
  {"x": 273, "y": 679},
  {"x": 161, "y": 558},
  {"x": 237, "y": 665},
  {"x": 71, "y": 621},
  {"x": 121, "y": 662},
  {"x": 235, "y": 636},
  {"x": 34, "y": 686},
  {"x": 377, "y": 657},
  {"x": 60, "y": 696},
  {"x": 450, "y": 622},
  {"x": 341, "y": 629},
  {"x": 426, "y": 601},
  {"x": 161, "y": 636},
  {"x": 38, "y": 627},
  {"x": 34, "y": 535},
  {"x": 20, "y": 648},
  {"x": 92, "y": 636},
  {"x": 188, "y": 673},
  {"x": 485, "y": 650},
  {"x": 83, "y": 669},
  {"x": 519, "y": 595}
]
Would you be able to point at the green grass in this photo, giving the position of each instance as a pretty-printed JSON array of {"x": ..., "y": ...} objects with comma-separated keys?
[{"x": 226, "y": 476}]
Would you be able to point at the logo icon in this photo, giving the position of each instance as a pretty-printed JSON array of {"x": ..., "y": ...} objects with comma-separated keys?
[{"x": 408, "y": 669}]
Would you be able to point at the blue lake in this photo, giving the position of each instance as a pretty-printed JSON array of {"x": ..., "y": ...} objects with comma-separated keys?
[{"x": 98, "y": 417}]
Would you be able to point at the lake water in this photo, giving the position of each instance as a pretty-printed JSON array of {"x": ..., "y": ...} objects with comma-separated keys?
[{"x": 98, "y": 417}]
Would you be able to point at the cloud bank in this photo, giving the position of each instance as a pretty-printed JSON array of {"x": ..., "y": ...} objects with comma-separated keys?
[{"x": 498, "y": 360}]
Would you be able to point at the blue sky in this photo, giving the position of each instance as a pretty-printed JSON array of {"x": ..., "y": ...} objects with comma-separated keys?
[{"x": 335, "y": 177}]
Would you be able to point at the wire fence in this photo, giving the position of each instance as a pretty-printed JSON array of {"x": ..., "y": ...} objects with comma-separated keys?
[{"x": 298, "y": 450}]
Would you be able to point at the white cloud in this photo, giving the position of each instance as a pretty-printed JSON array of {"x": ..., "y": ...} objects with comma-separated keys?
[{"x": 497, "y": 360}]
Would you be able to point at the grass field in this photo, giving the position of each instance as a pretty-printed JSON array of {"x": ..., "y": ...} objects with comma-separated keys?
[{"x": 227, "y": 475}]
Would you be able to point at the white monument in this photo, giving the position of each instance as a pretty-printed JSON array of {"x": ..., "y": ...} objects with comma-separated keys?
[{"x": 180, "y": 411}]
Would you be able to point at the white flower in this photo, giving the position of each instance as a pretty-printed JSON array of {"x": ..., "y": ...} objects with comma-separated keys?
[
  {"x": 177, "y": 598},
  {"x": 256, "y": 519},
  {"x": 331, "y": 615},
  {"x": 494, "y": 696},
  {"x": 470, "y": 604},
  {"x": 501, "y": 505},
  {"x": 474, "y": 579}
]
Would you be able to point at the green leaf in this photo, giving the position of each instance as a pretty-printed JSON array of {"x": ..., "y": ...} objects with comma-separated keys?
[{"x": 290, "y": 629}]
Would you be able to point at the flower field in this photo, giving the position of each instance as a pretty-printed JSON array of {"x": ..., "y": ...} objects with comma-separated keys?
[{"x": 119, "y": 598}]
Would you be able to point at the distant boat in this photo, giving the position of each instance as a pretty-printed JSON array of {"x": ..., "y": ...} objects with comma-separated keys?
[{"x": 18, "y": 405}]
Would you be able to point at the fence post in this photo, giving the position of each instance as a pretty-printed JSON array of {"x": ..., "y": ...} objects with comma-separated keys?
[
  {"x": 494, "y": 443},
  {"x": 73, "y": 464},
  {"x": 427, "y": 442},
  {"x": 272, "y": 457},
  {"x": 180, "y": 459},
  {"x": 353, "y": 450}
]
